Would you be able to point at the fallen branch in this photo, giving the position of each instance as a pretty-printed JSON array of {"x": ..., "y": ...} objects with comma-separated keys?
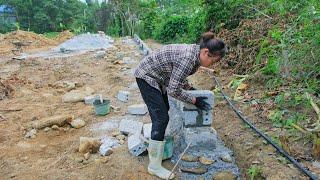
[
  {"x": 317, "y": 110},
  {"x": 299, "y": 128}
]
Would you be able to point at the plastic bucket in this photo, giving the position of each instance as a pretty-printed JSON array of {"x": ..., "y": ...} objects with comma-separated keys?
[
  {"x": 103, "y": 108},
  {"x": 168, "y": 147}
]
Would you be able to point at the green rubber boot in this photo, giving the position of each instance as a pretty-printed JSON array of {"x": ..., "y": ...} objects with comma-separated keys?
[{"x": 155, "y": 151}]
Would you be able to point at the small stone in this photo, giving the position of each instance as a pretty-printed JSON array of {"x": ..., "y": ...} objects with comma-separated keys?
[
  {"x": 77, "y": 123},
  {"x": 86, "y": 155},
  {"x": 99, "y": 54},
  {"x": 206, "y": 161},
  {"x": 121, "y": 142},
  {"x": 226, "y": 158},
  {"x": 34, "y": 118},
  {"x": 115, "y": 133},
  {"x": 225, "y": 175},
  {"x": 121, "y": 137},
  {"x": 194, "y": 170},
  {"x": 46, "y": 129},
  {"x": 31, "y": 134},
  {"x": 79, "y": 159},
  {"x": 115, "y": 108},
  {"x": 91, "y": 145},
  {"x": 106, "y": 152},
  {"x": 189, "y": 158},
  {"x": 84, "y": 162},
  {"x": 55, "y": 127}
]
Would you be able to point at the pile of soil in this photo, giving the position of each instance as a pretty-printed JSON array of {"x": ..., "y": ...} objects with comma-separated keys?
[
  {"x": 34, "y": 40},
  {"x": 244, "y": 43},
  {"x": 63, "y": 36}
]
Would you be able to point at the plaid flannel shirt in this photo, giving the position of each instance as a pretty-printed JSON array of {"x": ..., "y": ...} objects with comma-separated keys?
[{"x": 169, "y": 67}]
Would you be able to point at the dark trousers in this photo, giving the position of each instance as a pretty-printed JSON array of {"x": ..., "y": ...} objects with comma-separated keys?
[{"x": 158, "y": 106}]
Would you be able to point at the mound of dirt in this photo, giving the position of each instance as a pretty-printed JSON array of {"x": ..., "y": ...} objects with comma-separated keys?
[
  {"x": 244, "y": 43},
  {"x": 63, "y": 36},
  {"x": 30, "y": 39}
]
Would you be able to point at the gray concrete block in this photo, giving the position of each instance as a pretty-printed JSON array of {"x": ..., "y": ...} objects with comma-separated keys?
[
  {"x": 136, "y": 145},
  {"x": 128, "y": 126},
  {"x": 138, "y": 109},
  {"x": 123, "y": 96},
  {"x": 175, "y": 125},
  {"x": 204, "y": 118},
  {"x": 190, "y": 118},
  {"x": 147, "y": 130},
  {"x": 90, "y": 99},
  {"x": 200, "y": 136}
]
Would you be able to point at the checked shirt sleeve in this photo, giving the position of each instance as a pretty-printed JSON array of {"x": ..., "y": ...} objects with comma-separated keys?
[{"x": 177, "y": 80}]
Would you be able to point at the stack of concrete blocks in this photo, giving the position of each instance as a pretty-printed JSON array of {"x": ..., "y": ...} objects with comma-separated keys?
[
  {"x": 143, "y": 47},
  {"x": 191, "y": 125},
  {"x": 197, "y": 123}
]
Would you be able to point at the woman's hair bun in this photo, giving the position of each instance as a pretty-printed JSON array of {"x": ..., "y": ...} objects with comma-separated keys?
[{"x": 207, "y": 36}]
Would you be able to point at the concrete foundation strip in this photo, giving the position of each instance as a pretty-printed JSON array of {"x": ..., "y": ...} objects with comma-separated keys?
[{"x": 181, "y": 155}]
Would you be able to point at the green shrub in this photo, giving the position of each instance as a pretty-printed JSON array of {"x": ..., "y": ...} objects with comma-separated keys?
[{"x": 171, "y": 28}]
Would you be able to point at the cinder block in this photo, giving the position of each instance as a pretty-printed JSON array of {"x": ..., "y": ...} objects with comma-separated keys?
[
  {"x": 136, "y": 145},
  {"x": 138, "y": 109},
  {"x": 203, "y": 118},
  {"x": 190, "y": 118},
  {"x": 147, "y": 130},
  {"x": 175, "y": 125},
  {"x": 200, "y": 136},
  {"x": 123, "y": 96},
  {"x": 90, "y": 99},
  {"x": 128, "y": 126}
]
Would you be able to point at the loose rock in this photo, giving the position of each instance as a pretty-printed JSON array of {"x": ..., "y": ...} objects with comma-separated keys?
[
  {"x": 121, "y": 137},
  {"x": 89, "y": 145},
  {"x": 189, "y": 158},
  {"x": 115, "y": 133},
  {"x": 206, "y": 161},
  {"x": 86, "y": 155},
  {"x": 31, "y": 134},
  {"x": 196, "y": 170},
  {"x": 77, "y": 123},
  {"x": 226, "y": 175},
  {"x": 226, "y": 158},
  {"x": 46, "y": 129},
  {"x": 55, "y": 127}
]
